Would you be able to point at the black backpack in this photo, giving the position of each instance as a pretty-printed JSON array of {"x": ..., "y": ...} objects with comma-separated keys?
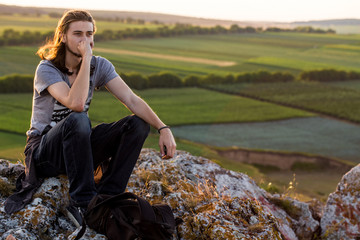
[{"x": 127, "y": 216}]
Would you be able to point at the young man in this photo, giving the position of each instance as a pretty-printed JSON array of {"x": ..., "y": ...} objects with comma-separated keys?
[{"x": 60, "y": 138}]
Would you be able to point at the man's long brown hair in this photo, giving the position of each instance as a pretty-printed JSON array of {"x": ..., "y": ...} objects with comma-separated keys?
[{"x": 54, "y": 50}]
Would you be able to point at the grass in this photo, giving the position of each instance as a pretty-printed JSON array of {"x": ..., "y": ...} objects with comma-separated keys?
[
  {"x": 354, "y": 84},
  {"x": 45, "y": 24},
  {"x": 12, "y": 146},
  {"x": 313, "y": 136},
  {"x": 182, "y": 106},
  {"x": 17, "y": 22},
  {"x": 314, "y": 184},
  {"x": 198, "y": 101},
  {"x": 340, "y": 102},
  {"x": 18, "y": 59},
  {"x": 15, "y": 112},
  {"x": 292, "y": 52},
  {"x": 194, "y": 106}
]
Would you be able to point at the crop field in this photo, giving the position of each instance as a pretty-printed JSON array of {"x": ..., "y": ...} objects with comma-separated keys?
[
  {"x": 45, "y": 24},
  {"x": 291, "y": 52},
  {"x": 340, "y": 102},
  {"x": 199, "y": 55},
  {"x": 354, "y": 84},
  {"x": 313, "y": 135},
  {"x": 174, "y": 106},
  {"x": 12, "y": 146}
]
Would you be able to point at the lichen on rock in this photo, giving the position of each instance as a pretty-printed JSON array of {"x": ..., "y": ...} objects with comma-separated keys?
[
  {"x": 341, "y": 218},
  {"x": 213, "y": 203}
]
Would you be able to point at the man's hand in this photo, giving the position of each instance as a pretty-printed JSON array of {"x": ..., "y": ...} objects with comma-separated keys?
[
  {"x": 167, "y": 141},
  {"x": 85, "y": 48}
]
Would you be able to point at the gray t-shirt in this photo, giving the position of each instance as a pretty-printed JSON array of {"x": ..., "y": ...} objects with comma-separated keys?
[{"x": 46, "y": 110}]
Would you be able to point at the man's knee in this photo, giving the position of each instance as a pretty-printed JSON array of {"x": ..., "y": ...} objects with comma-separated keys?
[
  {"x": 140, "y": 126},
  {"x": 78, "y": 122}
]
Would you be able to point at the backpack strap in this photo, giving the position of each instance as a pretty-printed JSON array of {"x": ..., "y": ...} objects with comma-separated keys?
[
  {"x": 146, "y": 210},
  {"x": 82, "y": 230}
]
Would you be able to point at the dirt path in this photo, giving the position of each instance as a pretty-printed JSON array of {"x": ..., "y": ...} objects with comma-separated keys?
[{"x": 168, "y": 57}]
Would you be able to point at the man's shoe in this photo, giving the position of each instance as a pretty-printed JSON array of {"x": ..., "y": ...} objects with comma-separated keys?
[{"x": 75, "y": 214}]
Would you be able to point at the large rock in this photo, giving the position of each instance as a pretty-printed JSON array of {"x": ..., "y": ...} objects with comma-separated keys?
[
  {"x": 341, "y": 218},
  {"x": 43, "y": 218},
  {"x": 214, "y": 203}
]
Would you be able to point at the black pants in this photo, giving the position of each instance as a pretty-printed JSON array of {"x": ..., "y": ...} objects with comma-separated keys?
[{"x": 73, "y": 148}]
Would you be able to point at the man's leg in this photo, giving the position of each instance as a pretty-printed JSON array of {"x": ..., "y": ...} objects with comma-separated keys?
[
  {"x": 122, "y": 142},
  {"x": 66, "y": 149}
]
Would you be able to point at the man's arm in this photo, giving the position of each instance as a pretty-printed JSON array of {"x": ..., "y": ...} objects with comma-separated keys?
[
  {"x": 75, "y": 97},
  {"x": 140, "y": 108}
]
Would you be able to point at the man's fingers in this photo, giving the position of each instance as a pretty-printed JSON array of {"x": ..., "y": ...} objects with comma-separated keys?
[
  {"x": 162, "y": 152},
  {"x": 171, "y": 151},
  {"x": 165, "y": 154}
]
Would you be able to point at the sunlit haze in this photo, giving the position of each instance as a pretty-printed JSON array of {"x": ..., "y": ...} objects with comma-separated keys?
[{"x": 243, "y": 10}]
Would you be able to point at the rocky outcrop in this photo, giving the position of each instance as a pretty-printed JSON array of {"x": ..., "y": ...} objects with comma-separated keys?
[
  {"x": 43, "y": 218},
  {"x": 213, "y": 203},
  {"x": 341, "y": 218}
]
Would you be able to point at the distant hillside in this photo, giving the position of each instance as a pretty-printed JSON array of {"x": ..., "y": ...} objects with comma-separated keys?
[
  {"x": 147, "y": 16},
  {"x": 330, "y": 22},
  {"x": 339, "y": 25}
]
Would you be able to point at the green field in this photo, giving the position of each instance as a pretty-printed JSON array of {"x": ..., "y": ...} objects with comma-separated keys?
[
  {"x": 12, "y": 146},
  {"x": 341, "y": 102},
  {"x": 185, "y": 55},
  {"x": 354, "y": 84},
  {"x": 174, "y": 106},
  {"x": 45, "y": 24},
  {"x": 312, "y": 135},
  {"x": 292, "y": 52}
]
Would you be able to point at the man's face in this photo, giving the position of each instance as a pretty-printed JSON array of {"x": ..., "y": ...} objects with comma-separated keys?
[{"x": 78, "y": 31}]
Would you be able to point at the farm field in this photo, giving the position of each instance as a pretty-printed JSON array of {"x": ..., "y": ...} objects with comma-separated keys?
[
  {"x": 199, "y": 55},
  {"x": 45, "y": 24},
  {"x": 12, "y": 146},
  {"x": 291, "y": 52},
  {"x": 188, "y": 103},
  {"x": 331, "y": 99},
  {"x": 174, "y": 106},
  {"x": 354, "y": 84},
  {"x": 313, "y": 135}
]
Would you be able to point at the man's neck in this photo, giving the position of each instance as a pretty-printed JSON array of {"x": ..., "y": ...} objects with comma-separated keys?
[{"x": 71, "y": 62}]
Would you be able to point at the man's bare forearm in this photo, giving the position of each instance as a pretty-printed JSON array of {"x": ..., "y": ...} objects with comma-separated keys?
[
  {"x": 79, "y": 90},
  {"x": 140, "y": 108}
]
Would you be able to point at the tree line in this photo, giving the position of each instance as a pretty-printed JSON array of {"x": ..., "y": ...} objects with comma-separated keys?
[
  {"x": 11, "y": 37},
  {"x": 302, "y": 29},
  {"x": 17, "y": 83},
  {"x": 329, "y": 75}
]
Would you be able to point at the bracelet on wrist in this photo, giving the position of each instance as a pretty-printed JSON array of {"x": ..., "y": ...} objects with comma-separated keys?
[{"x": 162, "y": 128}]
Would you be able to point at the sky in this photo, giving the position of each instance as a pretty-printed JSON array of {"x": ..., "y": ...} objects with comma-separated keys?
[{"x": 242, "y": 10}]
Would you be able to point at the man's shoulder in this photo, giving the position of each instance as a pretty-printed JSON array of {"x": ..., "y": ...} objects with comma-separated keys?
[
  {"x": 45, "y": 65},
  {"x": 45, "y": 69},
  {"x": 100, "y": 60},
  {"x": 101, "y": 64}
]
